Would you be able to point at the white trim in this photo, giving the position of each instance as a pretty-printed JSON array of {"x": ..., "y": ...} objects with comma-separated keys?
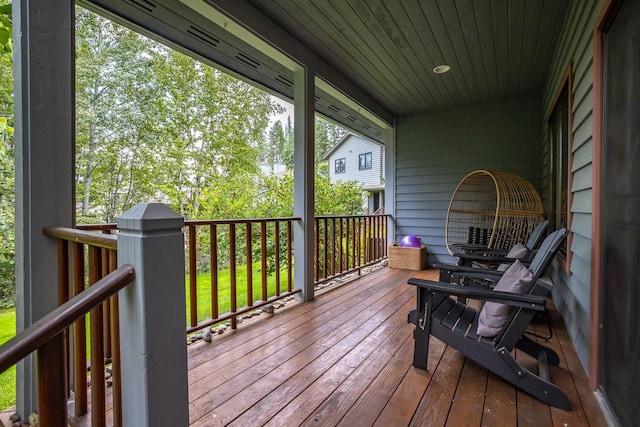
[{"x": 241, "y": 32}]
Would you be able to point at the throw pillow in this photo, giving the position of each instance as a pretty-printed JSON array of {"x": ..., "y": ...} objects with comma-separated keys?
[
  {"x": 493, "y": 316},
  {"x": 517, "y": 251}
]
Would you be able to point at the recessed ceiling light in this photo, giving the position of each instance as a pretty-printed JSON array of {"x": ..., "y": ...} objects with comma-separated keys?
[{"x": 441, "y": 69}]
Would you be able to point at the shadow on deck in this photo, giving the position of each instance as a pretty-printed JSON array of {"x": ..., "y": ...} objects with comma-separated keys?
[{"x": 345, "y": 359}]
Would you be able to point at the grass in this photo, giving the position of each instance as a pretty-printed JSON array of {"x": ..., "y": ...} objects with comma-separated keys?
[
  {"x": 203, "y": 291},
  {"x": 8, "y": 378},
  {"x": 8, "y": 316}
]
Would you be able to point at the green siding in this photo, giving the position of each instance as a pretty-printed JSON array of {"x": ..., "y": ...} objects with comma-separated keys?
[
  {"x": 571, "y": 293},
  {"x": 435, "y": 151}
]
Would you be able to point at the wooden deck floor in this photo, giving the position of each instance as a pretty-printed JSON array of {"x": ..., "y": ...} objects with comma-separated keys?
[{"x": 345, "y": 359}]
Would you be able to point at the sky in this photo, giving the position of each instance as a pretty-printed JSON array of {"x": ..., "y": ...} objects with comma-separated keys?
[{"x": 282, "y": 117}]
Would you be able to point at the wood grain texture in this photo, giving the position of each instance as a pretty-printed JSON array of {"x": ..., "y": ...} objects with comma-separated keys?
[{"x": 345, "y": 359}]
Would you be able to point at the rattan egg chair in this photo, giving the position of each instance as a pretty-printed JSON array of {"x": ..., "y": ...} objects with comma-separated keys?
[{"x": 493, "y": 210}]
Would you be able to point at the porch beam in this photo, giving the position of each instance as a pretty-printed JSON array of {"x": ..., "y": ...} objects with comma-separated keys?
[
  {"x": 390, "y": 182},
  {"x": 258, "y": 24},
  {"x": 303, "y": 180},
  {"x": 44, "y": 75}
]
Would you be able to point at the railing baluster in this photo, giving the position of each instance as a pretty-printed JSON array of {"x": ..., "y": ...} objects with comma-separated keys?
[
  {"x": 317, "y": 245},
  {"x": 276, "y": 232},
  {"x": 63, "y": 296},
  {"x": 98, "y": 410},
  {"x": 79, "y": 336},
  {"x": 116, "y": 367},
  {"x": 325, "y": 242},
  {"x": 193, "y": 277},
  {"x": 353, "y": 242},
  {"x": 263, "y": 242},
  {"x": 289, "y": 258},
  {"x": 340, "y": 246},
  {"x": 333, "y": 247},
  {"x": 213, "y": 256},
  {"x": 104, "y": 263},
  {"x": 116, "y": 370},
  {"x": 52, "y": 396},
  {"x": 249, "y": 266},
  {"x": 232, "y": 274}
]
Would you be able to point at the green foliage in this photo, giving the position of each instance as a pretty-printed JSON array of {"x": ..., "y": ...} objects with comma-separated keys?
[
  {"x": 6, "y": 45},
  {"x": 7, "y": 168},
  {"x": 154, "y": 124}
]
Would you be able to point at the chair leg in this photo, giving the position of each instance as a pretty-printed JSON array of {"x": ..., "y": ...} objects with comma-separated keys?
[
  {"x": 524, "y": 379},
  {"x": 532, "y": 348},
  {"x": 421, "y": 348},
  {"x": 421, "y": 317},
  {"x": 548, "y": 320}
]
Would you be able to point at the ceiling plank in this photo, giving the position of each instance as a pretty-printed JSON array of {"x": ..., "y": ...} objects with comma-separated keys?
[{"x": 500, "y": 15}]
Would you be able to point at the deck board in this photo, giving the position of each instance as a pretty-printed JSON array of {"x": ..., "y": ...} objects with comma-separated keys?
[{"x": 346, "y": 359}]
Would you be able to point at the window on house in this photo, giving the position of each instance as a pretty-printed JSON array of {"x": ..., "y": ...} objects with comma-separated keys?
[
  {"x": 365, "y": 161},
  {"x": 341, "y": 165},
  {"x": 558, "y": 165}
]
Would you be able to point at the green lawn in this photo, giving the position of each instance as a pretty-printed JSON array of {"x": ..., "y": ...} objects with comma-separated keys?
[
  {"x": 224, "y": 290},
  {"x": 8, "y": 378},
  {"x": 8, "y": 317}
]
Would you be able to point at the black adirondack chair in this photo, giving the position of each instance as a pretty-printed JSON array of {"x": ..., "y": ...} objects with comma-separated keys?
[
  {"x": 489, "y": 258},
  {"x": 455, "y": 324},
  {"x": 534, "y": 239}
]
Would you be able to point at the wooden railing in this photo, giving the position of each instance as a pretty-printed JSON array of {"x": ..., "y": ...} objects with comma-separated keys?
[
  {"x": 263, "y": 248},
  {"x": 346, "y": 244},
  {"x": 258, "y": 253},
  {"x": 84, "y": 258},
  {"x": 49, "y": 335}
]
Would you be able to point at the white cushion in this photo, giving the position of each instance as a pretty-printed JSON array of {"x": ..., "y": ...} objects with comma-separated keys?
[
  {"x": 493, "y": 315},
  {"x": 517, "y": 251}
]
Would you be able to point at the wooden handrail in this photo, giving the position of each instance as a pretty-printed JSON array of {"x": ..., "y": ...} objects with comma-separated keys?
[
  {"x": 106, "y": 241},
  {"x": 36, "y": 335},
  {"x": 351, "y": 216}
]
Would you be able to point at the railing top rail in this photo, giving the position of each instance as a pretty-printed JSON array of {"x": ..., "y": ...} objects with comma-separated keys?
[
  {"x": 98, "y": 227},
  {"x": 29, "y": 340},
  {"x": 114, "y": 226},
  {"x": 239, "y": 221},
  {"x": 81, "y": 236},
  {"x": 350, "y": 216}
]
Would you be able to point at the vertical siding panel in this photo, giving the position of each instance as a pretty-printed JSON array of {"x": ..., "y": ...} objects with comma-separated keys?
[{"x": 572, "y": 291}]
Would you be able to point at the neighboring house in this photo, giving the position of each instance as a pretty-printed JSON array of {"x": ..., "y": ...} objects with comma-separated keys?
[
  {"x": 277, "y": 169},
  {"x": 358, "y": 159}
]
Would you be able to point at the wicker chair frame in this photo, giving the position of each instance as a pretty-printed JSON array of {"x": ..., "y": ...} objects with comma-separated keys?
[{"x": 494, "y": 210}]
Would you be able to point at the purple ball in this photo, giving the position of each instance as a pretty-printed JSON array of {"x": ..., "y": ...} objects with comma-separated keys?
[{"x": 411, "y": 241}]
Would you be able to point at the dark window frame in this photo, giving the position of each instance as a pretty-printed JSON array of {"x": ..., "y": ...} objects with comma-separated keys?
[
  {"x": 340, "y": 165},
  {"x": 363, "y": 164}
]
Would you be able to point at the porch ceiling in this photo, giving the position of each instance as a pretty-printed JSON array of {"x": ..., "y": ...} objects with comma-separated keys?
[
  {"x": 382, "y": 51},
  {"x": 496, "y": 48}
]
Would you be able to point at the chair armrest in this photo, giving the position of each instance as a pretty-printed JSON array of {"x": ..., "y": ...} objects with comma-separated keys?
[
  {"x": 533, "y": 302},
  {"x": 485, "y": 251},
  {"x": 490, "y": 259},
  {"x": 479, "y": 273}
]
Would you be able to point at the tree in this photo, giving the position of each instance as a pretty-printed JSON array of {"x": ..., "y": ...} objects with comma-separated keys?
[
  {"x": 327, "y": 135},
  {"x": 275, "y": 146},
  {"x": 7, "y": 167},
  {"x": 113, "y": 120},
  {"x": 154, "y": 124}
]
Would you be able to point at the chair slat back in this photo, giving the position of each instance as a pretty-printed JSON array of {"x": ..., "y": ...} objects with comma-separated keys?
[
  {"x": 536, "y": 235},
  {"x": 520, "y": 318}
]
